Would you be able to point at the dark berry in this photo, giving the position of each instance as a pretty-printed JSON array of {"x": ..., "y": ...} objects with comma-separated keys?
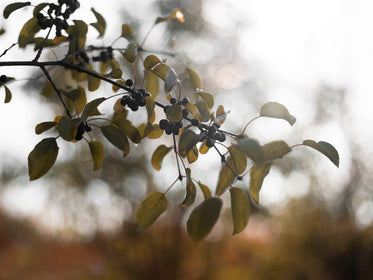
[
  {"x": 142, "y": 91},
  {"x": 141, "y": 102},
  {"x": 194, "y": 122},
  {"x": 78, "y": 136},
  {"x": 88, "y": 128},
  {"x": 125, "y": 100},
  {"x": 169, "y": 129},
  {"x": 210, "y": 142},
  {"x": 166, "y": 108},
  {"x": 216, "y": 125},
  {"x": 185, "y": 101},
  {"x": 81, "y": 129},
  {"x": 3, "y": 79},
  {"x": 133, "y": 105},
  {"x": 220, "y": 137},
  {"x": 211, "y": 130},
  {"x": 185, "y": 112},
  {"x": 163, "y": 124},
  {"x": 173, "y": 100},
  {"x": 129, "y": 82}
]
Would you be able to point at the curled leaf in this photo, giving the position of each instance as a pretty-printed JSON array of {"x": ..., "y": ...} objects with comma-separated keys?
[
  {"x": 13, "y": 7},
  {"x": 29, "y": 29},
  {"x": 158, "y": 156},
  {"x": 325, "y": 148},
  {"x": 194, "y": 78},
  {"x": 8, "y": 94},
  {"x": 257, "y": 175},
  {"x": 44, "y": 126},
  {"x": 126, "y": 31},
  {"x": 100, "y": 25},
  {"x": 240, "y": 207},
  {"x": 151, "y": 61},
  {"x": 97, "y": 153},
  {"x": 190, "y": 190},
  {"x": 278, "y": 111}
]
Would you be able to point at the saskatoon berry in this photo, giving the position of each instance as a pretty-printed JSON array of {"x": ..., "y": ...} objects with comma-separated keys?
[
  {"x": 185, "y": 101},
  {"x": 185, "y": 112},
  {"x": 142, "y": 91},
  {"x": 141, "y": 103},
  {"x": 88, "y": 128},
  {"x": 129, "y": 82},
  {"x": 194, "y": 122},
  {"x": 173, "y": 100},
  {"x": 133, "y": 105},
  {"x": 3, "y": 79},
  {"x": 163, "y": 124},
  {"x": 210, "y": 142},
  {"x": 169, "y": 129},
  {"x": 211, "y": 130},
  {"x": 125, "y": 100},
  {"x": 220, "y": 137}
]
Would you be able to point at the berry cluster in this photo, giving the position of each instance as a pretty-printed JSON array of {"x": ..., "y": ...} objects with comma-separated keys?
[
  {"x": 210, "y": 133},
  {"x": 135, "y": 98},
  {"x": 174, "y": 127},
  {"x": 58, "y": 15},
  {"x": 81, "y": 129},
  {"x": 3, "y": 79}
]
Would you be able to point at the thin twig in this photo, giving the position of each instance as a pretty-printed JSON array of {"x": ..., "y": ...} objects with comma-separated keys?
[
  {"x": 8, "y": 49},
  {"x": 42, "y": 46}
]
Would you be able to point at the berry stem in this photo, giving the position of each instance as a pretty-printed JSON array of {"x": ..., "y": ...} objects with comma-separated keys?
[{"x": 177, "y": 158}]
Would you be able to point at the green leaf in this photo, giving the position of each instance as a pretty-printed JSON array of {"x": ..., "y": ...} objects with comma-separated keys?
[
  {"x": 203, "y": 218},
  {"x": 149, "y": 130},
  {"x": 90, "y": 108},
  {"x": 13, "y": 7},
  {"x": 151, "y": 61},
  {"x": 192, "y": 154},
  {"x": 186, "y": 142},
  {"x": 38, "y": 8},
  {"x": 161, "y": 71},
  {"x": 252, "y": 149},
  {"x": 278, "y": 111},
  {"x": 68, "y": 127},
  {"x": 78, "y": 96},
  {"x": 93, "y": 82},
  {"x": 150, "y": 209},
  {"x": 42, "y": 158},
  {"x": 171, "y": 80},
  {"x": 152, "y": 84},
  {"x": 257, "y": 175},
  {"x": 190, "y": 190},
  {"x": 174, "y": 113},
  {"x": 78, "y": 33},
  {"x": 236, "y": 161},
  {"x": 203, "y": 109},
  {"x": 100, "y": 25},
  {"x": 325, "y": 148},
  {"x": 29, "y": 29},
  {"x": 240, "y": 206},
  {"x": 130, "y": 53},
  {"x": 44, "y": 126},
  {"x": 116, "y": 137},
  {"x": 158, "y": 156},
  {"x": 194, "y": 78},
  {"x": 97, "y": 152},
  {"x": 126, "y": 31},
  {"x": 8, "y": 94},
  {"x": 208, "y": 98},
  {"x": 275, "y": 150},
  {"x": 129, "y": 129},
  {"x": 150, "y": 105},
  {"x": 205, "y": 190}
]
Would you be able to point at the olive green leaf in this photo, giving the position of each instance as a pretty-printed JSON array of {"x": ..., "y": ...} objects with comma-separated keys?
[
  {"x": 208, "y": 98},
  {"x": 192, "y": 154},
  {"x": 78, "y": 96},
  {"x": 149, "y": 130},
  {"x": 151, "y": 61},
  {"x": 100, "y": 25},
  {"x": 158, "y": 156},
  {"x": 278, "y": 111},
  {"x": 150, "y": 209},
  {"x": 78, "y": 32},
  {"x": 252, "y": 149},
  {"x": 116, "y": 137},
  {"x": 38, "y": 8},
  {"x": 257, "y": 175},
  {"x": 93, "y": 82},
  {"x": 152, "y": 84},
  {"x": 205, "y": 190},
  {"x": 42, "y": 158},
  {"x": 220, "y": 115},
  {"x": 129, "y": 129},
  {"x": 150, "y": 105},
  {"x": 130, "y": 53},
  {"x": 174, "y": 113},
  {"x": 325, "y": 148},
  {"x": 29, "y": 29},
  {"x": 13, "y": 7},
  {"x": 186, "y": 142},
  {"x": 194, "y": 78},
  {"x": 8, "y": 94},
  {"x": 275, "y": 150},
  {"x": 44, "y": 126},
  {"x": 115, "y": 88},
  {"x": 190, "y": 190},
  {"x": 161, "y": 70},
  {"x": 68, "y": 127},
  {"x": 203, "y": 109},
  {"x": 203, "y": 218},
  {"x": 240, "y": 207},
  {"x": 126, "y": 31},
  {"x": 97, "y": 153},
  {"x": 90, "y": 108}
]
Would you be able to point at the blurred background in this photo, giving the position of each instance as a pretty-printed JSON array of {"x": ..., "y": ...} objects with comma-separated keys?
[{"x": 314, "y": 222}]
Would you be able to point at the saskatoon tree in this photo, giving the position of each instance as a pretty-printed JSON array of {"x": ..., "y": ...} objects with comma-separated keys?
[{"x": 190, "y": 119}]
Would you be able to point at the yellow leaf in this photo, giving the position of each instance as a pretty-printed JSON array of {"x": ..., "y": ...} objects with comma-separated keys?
[{"x": 97, "y": 152}]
